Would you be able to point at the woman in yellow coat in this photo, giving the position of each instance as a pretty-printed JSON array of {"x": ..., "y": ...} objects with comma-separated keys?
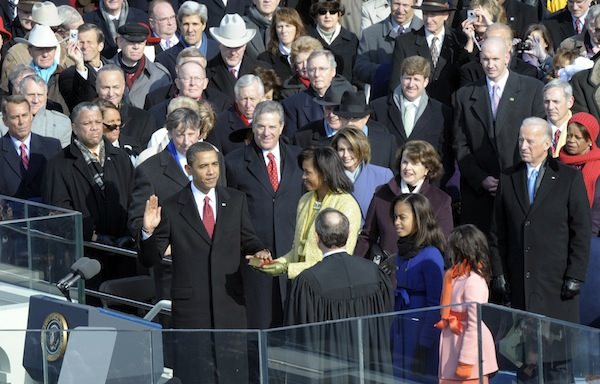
[{"x": 328, "y": 187}]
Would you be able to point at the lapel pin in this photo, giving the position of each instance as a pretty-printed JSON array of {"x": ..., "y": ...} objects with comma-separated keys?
[
  {"x": 553, "y": 177},
  {"x": 223, "y": 204},
  {"x": 511, "y": 98}
]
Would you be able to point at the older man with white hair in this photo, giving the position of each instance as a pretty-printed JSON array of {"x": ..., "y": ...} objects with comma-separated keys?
[
  {"x": 45, "y": 122},
  {"x": 249, "y": 91},
  {"x": 192, "y": 18}
]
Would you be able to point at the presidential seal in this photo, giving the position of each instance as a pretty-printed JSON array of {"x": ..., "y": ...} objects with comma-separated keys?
[{"x": 54, "y": 336}]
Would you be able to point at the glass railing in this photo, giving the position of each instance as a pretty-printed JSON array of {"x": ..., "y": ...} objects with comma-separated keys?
[
  {"x": 38, "y": 244},
  {"x": 401, "y": 347}
]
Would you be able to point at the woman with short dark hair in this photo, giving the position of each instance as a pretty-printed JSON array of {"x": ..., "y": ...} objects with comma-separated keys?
[
  {"x": 352, "y": 145},
  {"x": 327, "y": 15},
  {"x": 418, "y": 165}
]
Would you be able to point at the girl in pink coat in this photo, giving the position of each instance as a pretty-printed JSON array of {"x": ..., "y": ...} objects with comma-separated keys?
[{"x": 465, "y": 281}]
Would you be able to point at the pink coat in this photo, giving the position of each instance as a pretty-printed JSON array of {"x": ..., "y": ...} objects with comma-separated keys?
[{"x": 463, "y": 347}]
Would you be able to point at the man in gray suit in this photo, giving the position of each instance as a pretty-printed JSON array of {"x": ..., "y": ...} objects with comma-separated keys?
[
  {"x": 377, "y": 42},
  {"x": 45, "y": 122}
]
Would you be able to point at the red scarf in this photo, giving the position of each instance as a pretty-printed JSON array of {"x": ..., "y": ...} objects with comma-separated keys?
[
  {"x": 304, "y": 81},
  {"x": 130, "y": 78},
  {"x": 589, "y": 163},
  {"x": 242, "y": 116}
]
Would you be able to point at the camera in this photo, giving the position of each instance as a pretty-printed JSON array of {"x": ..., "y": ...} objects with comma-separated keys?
[{"x": 523, "y": 46}]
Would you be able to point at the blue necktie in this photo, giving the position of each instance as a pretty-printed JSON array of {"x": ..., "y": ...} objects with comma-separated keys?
[{"x": 531, "y": 185}]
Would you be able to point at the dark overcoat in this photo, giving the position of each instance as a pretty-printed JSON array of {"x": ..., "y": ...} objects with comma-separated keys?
[
  {"x": 484, "y": 146},
  {"x": 273, "y": 215},
  {"x": 15, "y": 181},
  {"x": 69, "y": 183},
  {"x": 537, "y": 246}
]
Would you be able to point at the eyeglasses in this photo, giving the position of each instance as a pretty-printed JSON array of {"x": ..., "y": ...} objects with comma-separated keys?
[
  {"x": 324, "y": 11},
  {"x": 190, "y": 80},
  {"x": 112, "y": 127}
]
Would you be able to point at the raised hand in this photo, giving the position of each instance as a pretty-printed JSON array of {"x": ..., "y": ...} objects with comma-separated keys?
[{"x": 151, "y": 215}]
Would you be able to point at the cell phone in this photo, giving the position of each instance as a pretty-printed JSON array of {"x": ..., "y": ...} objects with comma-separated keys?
[
  {"x": 73, "y": 35},
  {"x": 471, "y": 14}
]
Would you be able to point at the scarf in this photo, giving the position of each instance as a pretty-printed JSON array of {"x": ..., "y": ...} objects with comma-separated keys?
[
  {"x": 261, "y": 22},
  {"x": 132, "y": 73},
  {"x": 329, "y": 37},
  {"x": 242, "y": 117},
  {"x": 590, "y": 167},
  {"x": 95, "y": 164},
  {"x": 45, "y": 73},
  {"x": 304, "y": 81},
  {"x": 109, "y": 23},
  {"x": 449, "y": 317},
  {"x": 406, "y": 247}
]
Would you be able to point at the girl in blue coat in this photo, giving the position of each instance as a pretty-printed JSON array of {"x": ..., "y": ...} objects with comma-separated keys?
[{"x": 419, "y": 275}]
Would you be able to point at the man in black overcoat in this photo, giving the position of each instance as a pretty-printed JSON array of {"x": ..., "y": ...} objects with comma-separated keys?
[
  {"x": 485, "y": 137},
  {"x": 272, "y": 208},
  {"x": 209, "y": 230}
]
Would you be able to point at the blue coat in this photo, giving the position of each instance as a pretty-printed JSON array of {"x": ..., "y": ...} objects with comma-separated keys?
[
  {"x": 370, "y": 177},
  {"x": 419, "y": 285}
]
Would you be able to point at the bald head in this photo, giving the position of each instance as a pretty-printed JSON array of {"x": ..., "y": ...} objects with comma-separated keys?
[
  {"x": 494, "y": 58},
  {"x": 332, "y": 229},
  {"x": 501, "y": 31}
]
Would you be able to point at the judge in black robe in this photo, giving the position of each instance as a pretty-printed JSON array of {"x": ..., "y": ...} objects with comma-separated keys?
[{"x": 339, "y": 287}]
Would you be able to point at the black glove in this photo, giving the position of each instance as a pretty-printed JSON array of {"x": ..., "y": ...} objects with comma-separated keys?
[
  {"x": 501, "y": 287},
  {"x": 420, "y": 358},
  {"x": 570, "y": 288}
]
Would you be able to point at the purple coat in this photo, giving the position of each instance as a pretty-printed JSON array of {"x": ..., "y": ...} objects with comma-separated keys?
[{"x": 379, "y": 225}]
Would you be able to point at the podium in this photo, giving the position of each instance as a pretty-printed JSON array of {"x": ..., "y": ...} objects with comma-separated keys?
[{"x": 82, "y": 343}]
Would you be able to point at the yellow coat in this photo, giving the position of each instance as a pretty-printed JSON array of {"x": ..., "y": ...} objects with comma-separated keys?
[{"x": 305, "y": 254}]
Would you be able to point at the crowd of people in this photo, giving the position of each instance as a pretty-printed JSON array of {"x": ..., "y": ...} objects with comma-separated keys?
[{"x": 215, "y": 133}]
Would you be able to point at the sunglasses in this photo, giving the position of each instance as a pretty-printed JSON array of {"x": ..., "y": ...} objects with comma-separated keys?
[
  {"x": 112, "y": 127},
  {"x": 324, "y": 11}
]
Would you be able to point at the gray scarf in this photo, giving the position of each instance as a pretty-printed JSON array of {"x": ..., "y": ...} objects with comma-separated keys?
[
  {"x": 122, "y": 18},
  {"x": 95, "y": 164},
  {"x": 262, "y": 23}
]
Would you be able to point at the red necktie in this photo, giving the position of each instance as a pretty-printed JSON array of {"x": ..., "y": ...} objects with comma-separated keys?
[
  {"x": 208, "y": 217},
  {"x": 555, "y": 141},
  {"x": 272, "y": 169},
  {"x": 233, "y": 72},
  {"x": 24, "y": 157},
  {"x": 578, "y": 26}
]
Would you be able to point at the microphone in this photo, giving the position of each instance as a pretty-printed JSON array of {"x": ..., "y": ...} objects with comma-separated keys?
[
  {"x": 74, "y": 269},
  {"x": 85, "y": 272}
]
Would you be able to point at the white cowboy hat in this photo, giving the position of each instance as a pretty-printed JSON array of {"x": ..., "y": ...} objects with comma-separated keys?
[
  {"x": 232, "y": 31},
  {"x": 41, "y": 36},
  {"x": 46, "y": 14}
]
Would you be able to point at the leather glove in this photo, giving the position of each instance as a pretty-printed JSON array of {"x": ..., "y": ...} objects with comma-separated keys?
[
  {"x": 501, "y": 287},
  {"x": 570, "y": 288},
  {"x": 419, "y": 363},
  {"x": 276, "y": 268},
  {"x": 463, "y": 371}
]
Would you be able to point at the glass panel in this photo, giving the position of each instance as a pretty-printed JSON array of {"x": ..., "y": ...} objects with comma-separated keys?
[{"x": 38, "y": 244}]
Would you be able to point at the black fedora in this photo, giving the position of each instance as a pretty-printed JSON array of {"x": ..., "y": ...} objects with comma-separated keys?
[
  {"x": 333, "y": 96},
  {"x": 353, "y": 105},
  {"x": 433, "y": 6}
]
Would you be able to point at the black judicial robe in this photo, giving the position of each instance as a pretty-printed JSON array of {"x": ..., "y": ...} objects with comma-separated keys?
[{"x": 340, "y": 287}]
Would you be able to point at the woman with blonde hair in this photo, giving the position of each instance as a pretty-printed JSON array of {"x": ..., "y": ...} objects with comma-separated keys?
[{"x": 160, "y": 138}]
